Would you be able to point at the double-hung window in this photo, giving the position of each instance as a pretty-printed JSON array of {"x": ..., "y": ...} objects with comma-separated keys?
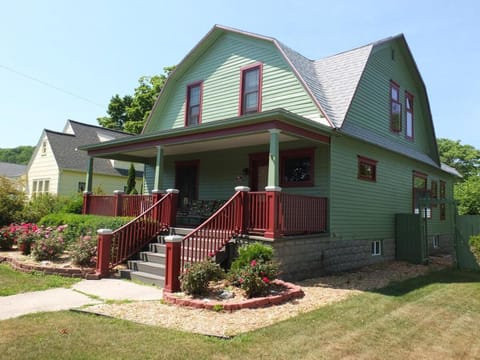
[
  {"x": 443, "y": 195},
  {"x": 367, "y": 169},
  {"x": 408, "y": 115},
  {"x": 250, "y": 96},
  {"x": 395, "y": 108},
  {"x": 193, "y": 114}
]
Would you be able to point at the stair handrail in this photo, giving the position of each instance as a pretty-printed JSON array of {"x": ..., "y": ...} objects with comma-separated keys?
[
  {"x": 213, "y": 234},
  {"x": 133, "y": 236}
]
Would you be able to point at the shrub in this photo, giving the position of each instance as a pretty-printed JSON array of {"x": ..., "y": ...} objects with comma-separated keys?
[
  {"x": 49, "y": 243},
  {"x": 254, "y": 269},
  {"x": 81, "y": 225},
  {"x": 25, "y": 236},
  {"x": 7, "y": 237},
  {"x": 11, "y": 201},
  {"x": 73, "y": 205},
  {"x": 254, "y": 251},
  {"x": 84, "y": 251},
  {"x": 196, "y": 276},
  {"x": 40, "y": 206},
  {"x": 475, "y": 246}
]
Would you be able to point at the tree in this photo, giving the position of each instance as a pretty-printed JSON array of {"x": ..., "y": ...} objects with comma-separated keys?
[
  {"x": 129, "y": 113},
  {"x": 19, "y": 155},
  {"x": 464, "y": 158},
  {"x": 467, "y": 193},
  {"x": 131, "y": 180},
  {"x": 11, "y": 201}
]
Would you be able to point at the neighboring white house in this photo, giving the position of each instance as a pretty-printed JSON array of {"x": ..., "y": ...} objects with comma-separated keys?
[
  {"x": 57, "y": 167},
  {"x": 15, "y": 173}
]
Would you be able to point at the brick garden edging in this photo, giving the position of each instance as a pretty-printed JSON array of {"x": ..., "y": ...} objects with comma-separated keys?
[
  {"x": 67, "y": 272},
  {"x": 291, "y": 292}
]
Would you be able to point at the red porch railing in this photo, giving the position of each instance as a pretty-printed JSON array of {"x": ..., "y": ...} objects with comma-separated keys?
[
  {"x": 216, "y": 232},
  {"x": 119, "y": 204},
  {"x": 296, "y": 214},
  {"x": 132, "y": 237}
]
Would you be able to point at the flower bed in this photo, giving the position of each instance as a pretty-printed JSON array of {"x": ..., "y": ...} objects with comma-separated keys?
[{"x": 282, "y": 292}]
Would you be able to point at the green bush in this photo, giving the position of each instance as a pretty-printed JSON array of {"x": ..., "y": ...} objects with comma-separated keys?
[
  {"x": 49, "y": 243},
  {"x": 196, "y": 276},
  {"x": 11, "y": 201},
  {"x": 40, "y": 206},
  {"x": 254, "y": 251},
  {"x": 73, "y": 205},
  {"x": 475, "y": 246},
  {"x": 80, "y": 225},
  {"x": 84, "y": 251},
  {"x": 254, "y": 269},
  {"x": 7, "y": 237}
]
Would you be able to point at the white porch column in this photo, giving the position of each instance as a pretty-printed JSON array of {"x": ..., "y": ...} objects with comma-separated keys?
[
  {"x": 274, "y": 159},
  {"x": 158, "y": 185}
]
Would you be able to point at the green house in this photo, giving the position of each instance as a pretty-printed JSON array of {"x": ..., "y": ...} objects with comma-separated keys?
[{"x": 329, "y": 151}]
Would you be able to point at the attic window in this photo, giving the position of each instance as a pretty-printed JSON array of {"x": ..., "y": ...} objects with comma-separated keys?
[
  {"x": 408, "y": 115},
  {"x": 193, "y": 114},
  {"x": 250, "y": 97},
  {"x": 44, "y": 147},
  {"x": 395, "y": 108}
]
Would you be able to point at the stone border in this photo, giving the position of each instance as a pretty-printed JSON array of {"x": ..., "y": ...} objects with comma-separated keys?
[
  {"x": 67, "y": 272},
  {"x": 292, "y": 292}
]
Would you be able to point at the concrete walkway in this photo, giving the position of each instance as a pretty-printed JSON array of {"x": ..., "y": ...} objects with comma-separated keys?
[{"x": 85, "y": 292}]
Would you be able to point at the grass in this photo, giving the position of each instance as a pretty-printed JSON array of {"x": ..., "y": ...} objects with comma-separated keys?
[
  {"x": 434, "y": 316},
  {"x": 14, "y": 282}
]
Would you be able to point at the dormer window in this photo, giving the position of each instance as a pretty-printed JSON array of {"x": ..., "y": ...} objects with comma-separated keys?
[
  {"x": 193, "y": 114},
  {"x": 250, "y": 97},
  {"x": 395, "y": 108},
  {"x": 408, "y": 115}
]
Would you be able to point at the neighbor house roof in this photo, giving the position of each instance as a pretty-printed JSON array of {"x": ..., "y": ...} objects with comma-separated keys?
[
  {"x": 65, "y": 147},
  {"x": 10, "y": 170}
]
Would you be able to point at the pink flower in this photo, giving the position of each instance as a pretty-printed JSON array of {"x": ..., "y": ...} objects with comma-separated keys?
[
  {"x": 253, "y": 263},
  {"x": 240, "y": 280}
]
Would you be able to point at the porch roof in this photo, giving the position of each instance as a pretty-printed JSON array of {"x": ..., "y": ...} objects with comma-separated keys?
[{"x": 234, "y": 132}]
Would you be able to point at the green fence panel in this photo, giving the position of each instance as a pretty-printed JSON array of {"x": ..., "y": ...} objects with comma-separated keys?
[
  {"x": 409, "y": 238},
  {"x": 466, "y": 226}
]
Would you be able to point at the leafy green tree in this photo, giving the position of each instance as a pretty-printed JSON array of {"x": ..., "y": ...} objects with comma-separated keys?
[
  {"x": 131, "y": 180},
  {"x": 464, "y": 158},
  {"x": 467, "y": 193},
  {"x": 11, "y": 201},
  {"x": 19, "y": 155},
  {"x": 129, "y": 113}
]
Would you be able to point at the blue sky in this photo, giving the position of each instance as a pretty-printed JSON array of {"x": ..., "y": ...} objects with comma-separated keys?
[{"x": 64, "y": 60}]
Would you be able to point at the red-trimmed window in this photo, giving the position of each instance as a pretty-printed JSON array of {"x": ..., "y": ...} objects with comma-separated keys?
[
  {"x": 408, "y": 115},
  {"x": 443, "y": 195},
  {"x": 434, "y": 192},
  {"x": 420, "y": 193},
  {"x": 296, "y": 167},
  {"x": 193, "y": 113},
  {"x": 367, "y": 168},
  {"x": 251, "y": 89},
  {"x": 395, "y": 108}
]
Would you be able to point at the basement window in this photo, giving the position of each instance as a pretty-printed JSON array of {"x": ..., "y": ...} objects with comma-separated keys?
[
  {"x": 436, "y": 241},
  {"x": 376, "y": 248}
]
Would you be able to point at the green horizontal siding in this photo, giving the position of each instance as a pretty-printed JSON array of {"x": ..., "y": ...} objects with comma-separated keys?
[
  {"x": 370, "y": 108},
  {"x": 220, "y": 68},
  {"x": 221, "y": 172},
  {"x": 364, "y": 209}
]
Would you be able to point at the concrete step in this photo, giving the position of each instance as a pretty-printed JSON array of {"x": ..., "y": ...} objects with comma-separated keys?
[
  {"x": 156, "y": 248},
  {"x": 153, "y": 257},
  {"x": 147, "y": 278},
  {"x": 147, "y": 267},
  {"x": 180, "y": 231}
]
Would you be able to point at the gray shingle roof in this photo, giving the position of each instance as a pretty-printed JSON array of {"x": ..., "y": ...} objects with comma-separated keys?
[
  {"x": 64, "y": 147},
  {"x": 10, "y": 170}
]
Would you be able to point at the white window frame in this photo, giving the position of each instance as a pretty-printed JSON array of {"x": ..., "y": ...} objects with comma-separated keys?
[{"x": 376, "y": 248}]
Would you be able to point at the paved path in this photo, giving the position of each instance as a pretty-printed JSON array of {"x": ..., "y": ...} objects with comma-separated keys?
[{"x": 85, "y": 292}]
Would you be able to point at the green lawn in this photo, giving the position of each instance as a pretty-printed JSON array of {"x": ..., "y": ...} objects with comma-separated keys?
[
  {"x": 15, "y": 282},
  {"x": 436, "y": 316}
]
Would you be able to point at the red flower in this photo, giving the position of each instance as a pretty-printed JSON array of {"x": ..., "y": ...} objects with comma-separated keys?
[
  {"x": 253, "y": 263},
  {"x": 266, "y": 280}
]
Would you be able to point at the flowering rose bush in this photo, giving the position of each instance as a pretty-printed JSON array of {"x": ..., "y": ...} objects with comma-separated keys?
[
  {"x": 25, "y": 236},
  {"x": 49, "y": 243},
  {"x": 7, "y": 237},
  {"x": 256, "y": 277},
  {"x": 84, "y": 251},
  {"x": 196, "y": 276}
]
